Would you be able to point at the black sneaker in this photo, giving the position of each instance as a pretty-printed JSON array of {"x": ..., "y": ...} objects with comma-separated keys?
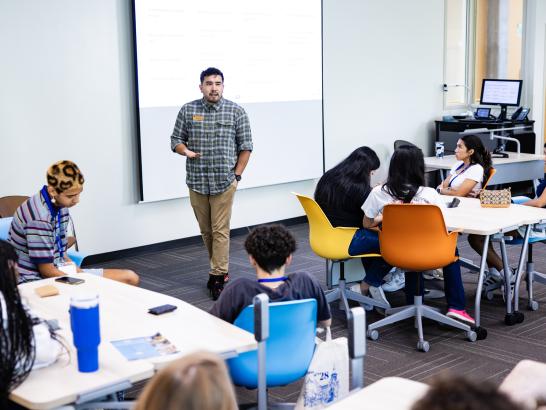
[
  {"x": 212, "y": 280},
  {"x": 217, "y": 286}
]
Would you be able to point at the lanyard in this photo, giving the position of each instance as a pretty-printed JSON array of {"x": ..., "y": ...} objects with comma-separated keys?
[
  {"x": 460, "y": 173},
  {"x": 282, "y": 278},
  {"x": 57, "y": 228}
]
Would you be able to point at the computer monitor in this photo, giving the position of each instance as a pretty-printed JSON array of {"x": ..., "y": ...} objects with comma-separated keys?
[{"x": 501, "y": 92}]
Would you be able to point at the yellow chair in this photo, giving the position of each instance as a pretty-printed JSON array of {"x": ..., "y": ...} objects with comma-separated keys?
[
  {"x": 333, "y": 244},
  {"x": 414, "y": 238}
]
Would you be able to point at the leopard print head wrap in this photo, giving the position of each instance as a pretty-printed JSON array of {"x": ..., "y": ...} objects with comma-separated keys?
[{"x": 64, "y": 175}]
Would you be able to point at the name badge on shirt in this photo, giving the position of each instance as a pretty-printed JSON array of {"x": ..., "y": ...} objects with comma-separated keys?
[
  {"x": 198, "y": 118},
  {"x": 68, "y": 268}
]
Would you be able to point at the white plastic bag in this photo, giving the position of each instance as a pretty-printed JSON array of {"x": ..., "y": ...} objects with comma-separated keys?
[{"x": 327, "y": 378}]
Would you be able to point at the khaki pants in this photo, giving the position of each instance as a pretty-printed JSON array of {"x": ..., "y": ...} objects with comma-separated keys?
[{"x": 213, "y": 213}]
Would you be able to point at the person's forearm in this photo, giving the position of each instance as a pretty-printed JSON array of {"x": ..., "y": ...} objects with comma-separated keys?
[
  {"x": 48, "y": 270},
  {"x": 180, "y": 149},
  {"x": 242, "y": 161},
  {"x": 452, "y": 192},
  {"x": 463, "y": 190},
  {"x": 535, "y": 203},
  {"x": 371, "y": 222}
]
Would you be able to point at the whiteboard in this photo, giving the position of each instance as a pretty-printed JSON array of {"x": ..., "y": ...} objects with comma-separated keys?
[{"x": 271, "y": 57}]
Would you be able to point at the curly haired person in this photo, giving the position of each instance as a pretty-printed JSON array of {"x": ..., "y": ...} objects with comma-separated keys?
[{"x": 270, "y": 250}]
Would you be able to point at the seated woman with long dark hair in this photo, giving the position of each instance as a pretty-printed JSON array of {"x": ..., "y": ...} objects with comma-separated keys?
[
  {"x": 340, "y": 193},
  {"x": 406, "y": 184},
  {"x": 471, "y": 170},
  {"x": 25, "y": 342},
  {"x": 466, "y": 179}
]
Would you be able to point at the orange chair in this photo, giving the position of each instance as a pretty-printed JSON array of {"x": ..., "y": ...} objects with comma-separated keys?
[
  {"x": 333, "y": 244},
  {"x": 9, "y": 204},
  {"x": 414, "y": 238},
  {"x": 492, "y": 171}
]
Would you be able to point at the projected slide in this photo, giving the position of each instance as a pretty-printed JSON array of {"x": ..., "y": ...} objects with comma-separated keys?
[{"x": 270, "y": 54}]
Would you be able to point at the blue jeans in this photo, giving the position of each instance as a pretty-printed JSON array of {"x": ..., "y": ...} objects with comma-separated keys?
[
  {"x": 366, "y": 241},
  {"x": 453, "y": 285}
]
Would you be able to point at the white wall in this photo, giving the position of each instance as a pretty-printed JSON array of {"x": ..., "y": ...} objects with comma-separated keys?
[
  {"x": 67, "y": 94},
  {"x": 534, "y": 67},
  {"x": 382, "y": 75}
]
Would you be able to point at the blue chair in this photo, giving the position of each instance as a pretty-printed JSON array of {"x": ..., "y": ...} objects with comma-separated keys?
[
  {"x": 286, "y": 344},
  {"x": 289, "y": 348},
  {"x": 5, "y": 223}
]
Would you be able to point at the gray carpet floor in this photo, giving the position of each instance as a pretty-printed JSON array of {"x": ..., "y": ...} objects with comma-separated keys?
[{"x": 182, "y": 273}]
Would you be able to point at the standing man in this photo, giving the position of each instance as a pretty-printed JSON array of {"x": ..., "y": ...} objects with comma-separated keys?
[{"x": 214, "y": 134}]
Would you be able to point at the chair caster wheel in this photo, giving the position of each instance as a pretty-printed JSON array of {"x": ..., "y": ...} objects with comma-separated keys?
[
  {"x": 471, "y": 336},
  {"x": 510, "y": 319},
  {"x": 481, "y": 332},
  {"x": 423, "y": 346},
  {"x": 533, "y": 305},
  {"x": 519, "y": 317},
  {"x": 373, "y": 334}
]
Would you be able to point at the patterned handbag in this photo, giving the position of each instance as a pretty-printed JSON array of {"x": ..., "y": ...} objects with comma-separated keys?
[{"x": 495, "y": 198}]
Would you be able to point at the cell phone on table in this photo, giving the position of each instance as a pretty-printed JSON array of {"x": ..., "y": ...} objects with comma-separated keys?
[
  {"x": 69, "y": 280},
  {"x": 455, "y": 203},
  {"x": 159, "y": 310}
]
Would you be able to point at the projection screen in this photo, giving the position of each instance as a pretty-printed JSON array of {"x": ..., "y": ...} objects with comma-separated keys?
[{"x": 271, "y": 55}]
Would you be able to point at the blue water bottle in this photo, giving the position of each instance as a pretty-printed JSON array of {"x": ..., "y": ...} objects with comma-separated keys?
[{"x": 85, "y": 323}]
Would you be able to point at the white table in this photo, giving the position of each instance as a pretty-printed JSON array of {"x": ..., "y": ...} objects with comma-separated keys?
[
  {"x": 471, "y": 218},
  {"x": 517, "y": 167},
  {"x": 392, "y": 393},
  {"x": 123, "y": 315}
]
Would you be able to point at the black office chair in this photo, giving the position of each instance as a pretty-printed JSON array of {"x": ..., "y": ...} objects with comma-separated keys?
[{"x": 401, "y": 143}]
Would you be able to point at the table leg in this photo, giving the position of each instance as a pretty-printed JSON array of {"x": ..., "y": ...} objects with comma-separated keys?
[
  {"x": 481, "y": 277},
  {"x": 507, "y": 277},
  {"x": 519, "y": 272}
]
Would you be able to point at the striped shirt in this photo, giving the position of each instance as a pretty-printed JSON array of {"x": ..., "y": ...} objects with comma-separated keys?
[
  {"x": 219, "y": 132},
  {"x": 32, "y": 234}
]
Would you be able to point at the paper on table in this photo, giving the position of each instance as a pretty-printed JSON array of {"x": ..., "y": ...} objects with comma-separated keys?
[{"x": 145, "y": 347}]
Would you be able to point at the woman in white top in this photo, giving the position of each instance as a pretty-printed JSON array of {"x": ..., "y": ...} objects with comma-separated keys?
[
  {"x": 466, "y": 180},
  {"x": 405, "y": 184},
  {"x": 468, "y": 174},
  {"x": 25, "y": 342}
]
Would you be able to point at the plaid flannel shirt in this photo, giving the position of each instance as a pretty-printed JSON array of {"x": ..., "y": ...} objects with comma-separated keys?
[{"x": 219, "y": 132}]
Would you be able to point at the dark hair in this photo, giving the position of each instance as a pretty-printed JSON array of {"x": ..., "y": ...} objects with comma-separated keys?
[
  {"x": 270, "y": 245},
  {"x": 480, "y": 156},
  {"x": 17, "y": 351},
  {"x": 348, "y": 182},
  {"x": 211, "y": 71},
  {"x": 406, "y": 173},
  {"x": 460, "y": 393}
]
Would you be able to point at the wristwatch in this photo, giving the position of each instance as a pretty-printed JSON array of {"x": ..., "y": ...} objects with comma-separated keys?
[{"x": 237, "y": 177}]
